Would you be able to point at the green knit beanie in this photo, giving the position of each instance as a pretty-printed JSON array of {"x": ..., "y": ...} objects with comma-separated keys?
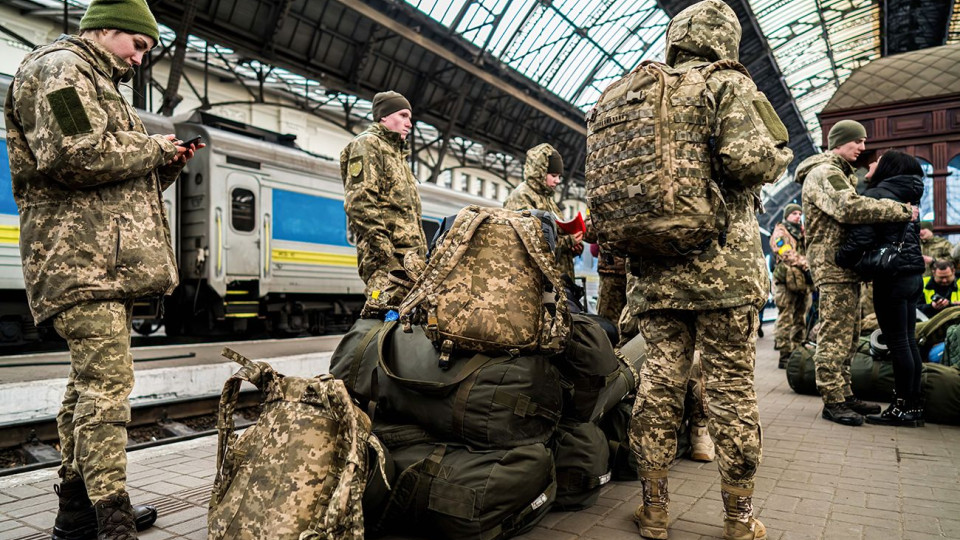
[
  {"x": 790, "y": 208},
  {"x": 387, "y": 103},
  {"x": 555, "y": 163},
  {"x": 128, "y": 15},
  {"x": 845, "y": 131},
  {"x": 927, "y": 225}
]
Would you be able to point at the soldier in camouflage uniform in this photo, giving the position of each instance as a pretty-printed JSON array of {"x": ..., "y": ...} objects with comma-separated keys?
[
  {"x": 934, "y": 247},
  {"x": 612, "y": 270},
  {"x": 830, "y": 201},
  {"x": 790, "y": 289},
  {"x": 710, "y": 301},
  {"x": 541, "y": 175},
  {"x": 94, "y": 236},
  {"x": 383, "y": 206}
]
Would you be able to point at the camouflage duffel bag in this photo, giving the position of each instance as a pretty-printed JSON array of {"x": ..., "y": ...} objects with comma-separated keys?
[
  {"x": 451, "y": 491},
  {"x": 801, "y": 373},
  {"x": 941, "y": 391},
  {"x": 306, "y": 484},
  {"x": 484, "y": 401},
  {"x": 582, "y": 459},
  {"x": 589, "y": 364},
  {"x": 625, "y": 380},
  {"x": 484, "y": 287}
]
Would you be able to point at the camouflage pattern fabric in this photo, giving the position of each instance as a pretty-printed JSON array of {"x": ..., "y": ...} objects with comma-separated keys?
[
  {"x": 838, "y": 339},
  {"x": 87, "y": 180},
  {"x": 307, "y": 484},
  {"x": 613, "y": 296},
  {"x": 830, "y": 201},
  {"x": 93, "y": 417},
  {"x": 791, "y": 326},
  {"x": 726, "y": 339},
  {"x": 483, "y": 289},
  {"x": 937, "y": 247},
  {"x": 383, "y": 212},
  {"x": 534, "y": 194}
]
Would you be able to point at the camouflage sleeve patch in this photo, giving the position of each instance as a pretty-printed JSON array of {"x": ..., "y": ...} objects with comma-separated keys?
[
  {"x": 837, "y": 182},
  {"x": 355, "y": 166},
  {"x": 69, "y": 112},
  {"x": 771, "y": 120}
]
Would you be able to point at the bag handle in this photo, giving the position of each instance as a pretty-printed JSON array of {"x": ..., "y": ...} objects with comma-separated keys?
[
  {"x": 258, "y": 374},
  {"x": 431, "y": 387}
]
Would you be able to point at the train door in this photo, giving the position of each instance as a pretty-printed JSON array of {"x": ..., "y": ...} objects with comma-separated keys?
[{"x": 242, "y": 231}]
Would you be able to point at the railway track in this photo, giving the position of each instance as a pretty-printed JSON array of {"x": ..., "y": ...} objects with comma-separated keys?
[{"x": 31, "y": 445}]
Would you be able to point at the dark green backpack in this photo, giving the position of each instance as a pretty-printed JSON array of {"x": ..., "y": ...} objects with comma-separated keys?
[
  {"x": 582, "y": 459},
  {"x": 589, "y": 364},
  {"x": 941, "y": 390},
  {"x": 452, "y": 491}
]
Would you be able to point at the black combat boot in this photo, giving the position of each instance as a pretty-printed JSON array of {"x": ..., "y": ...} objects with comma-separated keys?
[
  {"x": 841, "y": 414},
  {"x": 77, "y": 520},
  {"x": 897, "y": 414},
  {"x": 784, "y": 358},
  {"x": 115, "y": 518},
  {"x": 862, "y": 407},
  {"x": 915, "y": 408}
]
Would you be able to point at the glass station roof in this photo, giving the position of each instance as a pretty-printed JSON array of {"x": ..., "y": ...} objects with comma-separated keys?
[{"x": 574, "y": 48}]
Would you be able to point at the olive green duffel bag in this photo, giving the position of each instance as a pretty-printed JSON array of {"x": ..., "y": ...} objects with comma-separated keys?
[
  {"x": 589, "y": 364},
  {"x": 582, "y": 459},
  {"x": 355, "y": 358},
  {"x": 452, "y": 491},
  {"x": 622, "y": 383},
  {"x": 941, "y": 391},
  {"x": 801, "y": 373},
  {"x": 870, "y": 378}
]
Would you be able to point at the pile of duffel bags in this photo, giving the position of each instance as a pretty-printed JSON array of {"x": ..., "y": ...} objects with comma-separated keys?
[
  {"x": 484, "y": 448},
  {"x": 871, "y": 369},
  {"x": 488, "y": 395}
]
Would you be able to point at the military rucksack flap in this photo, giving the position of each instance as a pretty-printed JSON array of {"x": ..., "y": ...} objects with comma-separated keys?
[{"x": 484, "y": 287}]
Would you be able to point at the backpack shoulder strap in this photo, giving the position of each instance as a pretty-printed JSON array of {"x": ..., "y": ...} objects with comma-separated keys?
[{"x": 258, "y": 374}]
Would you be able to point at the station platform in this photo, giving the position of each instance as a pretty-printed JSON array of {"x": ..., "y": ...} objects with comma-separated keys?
[{"x": 818, "y": 480}]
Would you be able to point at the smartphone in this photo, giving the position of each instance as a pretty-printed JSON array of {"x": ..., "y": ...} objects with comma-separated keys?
[{"x": 186, "y": 144}]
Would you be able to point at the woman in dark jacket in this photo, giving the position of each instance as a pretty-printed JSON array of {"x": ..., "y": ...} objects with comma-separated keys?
[{"x": 897, "y": 176}]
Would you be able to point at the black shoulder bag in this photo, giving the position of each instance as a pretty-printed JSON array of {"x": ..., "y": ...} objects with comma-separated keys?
[{"x": 882, "y": 260}]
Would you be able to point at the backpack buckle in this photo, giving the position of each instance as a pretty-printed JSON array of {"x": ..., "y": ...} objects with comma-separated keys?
[{"x": 445, "y": 351}]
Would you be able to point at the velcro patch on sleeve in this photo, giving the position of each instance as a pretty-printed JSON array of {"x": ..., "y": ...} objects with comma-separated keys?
[
  {"x": 770, "y": 119},
  {"x": 356, "y": 166},
  {"x": 69, "y": 112},
  {"x": 838, "y": 182}
]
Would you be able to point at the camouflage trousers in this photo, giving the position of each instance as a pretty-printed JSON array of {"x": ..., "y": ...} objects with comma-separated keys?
[
  {"x": 93, "y": 417},
  {"x": 726, "y": 339},
  {"x": 613, "y": 296},
  {"x": 837, "y": 340},
  {"x": 791, "y": 325}
]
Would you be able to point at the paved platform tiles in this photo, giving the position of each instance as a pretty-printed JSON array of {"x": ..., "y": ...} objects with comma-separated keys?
[{"x": 818, "y": 480}]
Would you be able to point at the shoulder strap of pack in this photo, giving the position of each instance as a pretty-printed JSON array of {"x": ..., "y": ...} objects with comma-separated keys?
[
  {"x": 556, "y": 336},
  {"x": 252, "y": 372}
]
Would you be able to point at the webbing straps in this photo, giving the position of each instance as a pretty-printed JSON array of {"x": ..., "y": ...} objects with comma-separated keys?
[
  {"x": 358, "y": 356},
  {"x": 252, "y": 372}
]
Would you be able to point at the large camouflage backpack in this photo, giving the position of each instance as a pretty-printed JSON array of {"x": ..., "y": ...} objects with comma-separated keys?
[
  {"x": 300, "y": 472},
  {"x": 486, "y": 287},
  {"x": 651, "y": 185},
  {"x": 448, "y": 491}
]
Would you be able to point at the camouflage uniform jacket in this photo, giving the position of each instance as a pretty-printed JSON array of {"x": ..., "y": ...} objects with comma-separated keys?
[
  {"x": 937, "y": 247},
  {"x": 751, "y": 151},
  {"x": 830, "y": 202},
  {"x": 792, "y": 250},
  {"x": 534, "y": 194},
  {"x": 381, "y": 201},
  {"x": 87, "y": 180}
]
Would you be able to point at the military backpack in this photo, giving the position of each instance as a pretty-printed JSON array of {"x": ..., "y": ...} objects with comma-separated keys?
[
  {"x": 651, "y": 184},
  {"x": 491, "y": 285},
  {"x": 300, "y": 472}
]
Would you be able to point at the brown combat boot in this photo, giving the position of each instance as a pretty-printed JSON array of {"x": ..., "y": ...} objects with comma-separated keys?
[
  {"x": 651, "y": 516},
  {"x": 115, "y": 518},
  {"x": 738, "y": 520}
]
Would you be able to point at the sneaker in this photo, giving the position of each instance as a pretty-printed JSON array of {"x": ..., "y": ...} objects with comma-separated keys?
[
  {"x": 862, "y": 407},
  {"x": 841, "y": 414}
]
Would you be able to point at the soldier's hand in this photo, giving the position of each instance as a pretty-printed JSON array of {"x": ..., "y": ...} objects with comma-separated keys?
[
  {"x": 184, "y": 153},
  {"x": 577, "y": 248},
  {"x": 927, "y": 259},
  {"x": 578, "y": 237},
  {"x": 914, "y": 211}
]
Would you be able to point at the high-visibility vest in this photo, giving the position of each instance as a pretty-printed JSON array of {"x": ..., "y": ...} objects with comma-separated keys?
[{"x": 928, "y": 293}]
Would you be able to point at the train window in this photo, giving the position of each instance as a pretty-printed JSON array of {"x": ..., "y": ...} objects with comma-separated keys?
[{"x": 243, "y": 215}]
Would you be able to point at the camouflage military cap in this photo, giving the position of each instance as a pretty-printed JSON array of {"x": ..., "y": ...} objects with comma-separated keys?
[{"x": 708, "y": 29}]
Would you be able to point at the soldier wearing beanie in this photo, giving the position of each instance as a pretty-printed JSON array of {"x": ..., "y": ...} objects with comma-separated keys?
[
  {"x": 541, "y": 176},
  {"x": 85, "y": 173},
  {"x": 383, "y": 206},
  {"x": 933, "y": 247},
  {"x": 791, "y": 282},
  {"x": 830, "y": 203}
]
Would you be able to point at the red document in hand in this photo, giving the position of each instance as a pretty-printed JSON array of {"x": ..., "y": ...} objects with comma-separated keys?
[{"x": 573, "y": 226}]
